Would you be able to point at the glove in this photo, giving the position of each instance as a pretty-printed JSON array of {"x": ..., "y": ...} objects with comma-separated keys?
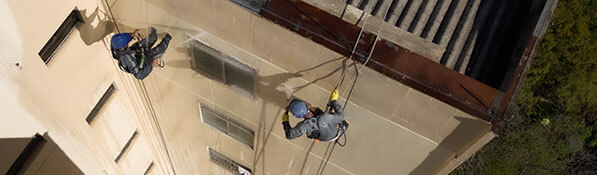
[
  {"x": 334, "y": 95},
  {"x": 285, "y": 117}
]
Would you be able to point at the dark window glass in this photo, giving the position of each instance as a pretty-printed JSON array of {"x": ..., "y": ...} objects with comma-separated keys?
[
  {"x": 222, "y": 67},
  {"x": 240, "y": 77},
  {"x": 126, "y": 147},
  {"x": 208, "y": 62},
  {"x": 100, "y": 104},
  {"x": 60, "y": 35},
  {"x": 228, "y": 126},
  {"x": 241, "y": 134},
  {"x": 214, "y": 120}
]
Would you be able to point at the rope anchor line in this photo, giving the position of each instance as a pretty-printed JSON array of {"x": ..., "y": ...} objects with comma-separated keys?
[
  {"x": 148, "y": 101},
  {"x": 327, "y": 156}
]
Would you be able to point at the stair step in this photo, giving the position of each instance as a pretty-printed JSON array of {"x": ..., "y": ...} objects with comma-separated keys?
[
  {"x": 435, "y": 19},
  {"x": 445, "y": 20},
  {"x": 376, "y": 8},
  {"x": 408, "y": 13},
  {"x": 460, "y": 34},
  {"x": 370, "y": 5},
  {"x": 382, "y": 8},
  {"x": 418, "y": 23},
  {"x": 397, "y": 10},
  {"x": 465, "y": 55},
  {"x": 391, "y": 10},
  {"x": 361, "y": 5},
  {"x": 453, "y": 42},
  {"x": 451, "y": 19},
  {"x": 435, "y": 26},
  {"x": 355, "y": 2}
]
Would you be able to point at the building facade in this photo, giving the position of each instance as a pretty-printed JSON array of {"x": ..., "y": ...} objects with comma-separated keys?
[{"x": 215, "y": 107}]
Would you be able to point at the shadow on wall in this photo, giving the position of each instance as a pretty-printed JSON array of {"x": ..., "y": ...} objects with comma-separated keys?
[
  {"x": 272, "y": 90},
  {"x": 465, "y": 134},
  {"x": 181, "y": 64},
  {"x": 91, "y": 34},
  {"x": 324, "y": 76}
]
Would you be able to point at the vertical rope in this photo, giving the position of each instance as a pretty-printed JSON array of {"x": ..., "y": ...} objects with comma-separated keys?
[
  {"x": 148, "y": 101},
  {"x": 354, "y": 82},
  {"x": 157, "y": 123},
  {"x": 112, "y": 14}
]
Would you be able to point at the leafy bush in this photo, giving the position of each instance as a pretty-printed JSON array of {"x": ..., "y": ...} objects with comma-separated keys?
[{"x": 561, "y": 86}]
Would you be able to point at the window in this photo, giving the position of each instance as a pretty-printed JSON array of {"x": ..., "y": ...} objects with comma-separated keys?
[
  {"x": 60, "y": 35},
  {"x": 231, "y": 128},
  {"x": 228, "y": 163},
  {"x": 149, "y": 168},
  {"x": 126, "y": 147},
  {"x": 100, "y": 104},
  {"x": 222, "y": 67}
]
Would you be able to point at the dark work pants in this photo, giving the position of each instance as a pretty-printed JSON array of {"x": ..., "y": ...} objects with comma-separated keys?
[
  {"x": 147, "y": 44},
  {"x": 150, "y": 53}
]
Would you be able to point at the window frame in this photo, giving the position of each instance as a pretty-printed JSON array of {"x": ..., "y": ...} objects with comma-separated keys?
[
  {"x": 101, "y": 103},
  {"x": 225, "y": 61},
  {"x": 213, "y": 154},
  {"x": 59, "y": 37},
  {"x": 229, "y": 122},
  {"x": 126, "y": 147}
]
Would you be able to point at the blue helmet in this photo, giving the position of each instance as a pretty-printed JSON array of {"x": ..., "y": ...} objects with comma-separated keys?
[
  {"x": 298, "y": 108},
  {"x": 121, "y": 40}
]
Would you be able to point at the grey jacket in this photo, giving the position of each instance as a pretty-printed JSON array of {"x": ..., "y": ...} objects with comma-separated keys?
[
  {"x": 128, "y": 60},
  {"x": 323, "y": 126}
]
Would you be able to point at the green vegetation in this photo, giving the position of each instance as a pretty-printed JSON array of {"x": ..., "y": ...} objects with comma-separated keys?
[{"x": 561, "y": 86}]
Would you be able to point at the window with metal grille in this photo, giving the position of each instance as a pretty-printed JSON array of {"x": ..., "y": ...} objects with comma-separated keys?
[
  {"x": 228, "y": 163},
  {"x": 222, "y": 67},
  {"x": 60, "y": 35},
  {"x": 228, "y": 126},
  {"x": 100, "y": 104}
]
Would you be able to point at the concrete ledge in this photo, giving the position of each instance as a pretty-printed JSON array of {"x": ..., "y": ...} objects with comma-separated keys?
[{"x": 389, "y": 32}]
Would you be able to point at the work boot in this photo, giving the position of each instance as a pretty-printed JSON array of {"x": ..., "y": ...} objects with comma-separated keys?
[
  {"x": 167, "y": 37},
  {"x": 153, "y": 32},
  {"x": 345, "y": 125}
]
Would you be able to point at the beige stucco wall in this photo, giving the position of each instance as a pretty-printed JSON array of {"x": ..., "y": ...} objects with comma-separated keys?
[
  {"x": 58, "y": 96},
  {"x": 394, "y": 129},
  {"x": 11, "y": 52}
]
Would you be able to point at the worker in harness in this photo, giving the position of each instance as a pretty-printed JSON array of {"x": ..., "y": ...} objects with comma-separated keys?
[
  {"x": 140, "y": 58},
  {"x": 318, "y": 125}
]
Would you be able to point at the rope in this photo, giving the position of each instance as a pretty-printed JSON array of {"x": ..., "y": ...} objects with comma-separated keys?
[
  {"x": 354, "y": 48},
  {"x": 112, "y": 14},
  {"x": 148, "y": 101},
  {"x": 157, "y": 123},
  {"x": 345, "y": 41},
  {"x": 329, "y": 155},
  {"x": 375, "y": 40}
]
